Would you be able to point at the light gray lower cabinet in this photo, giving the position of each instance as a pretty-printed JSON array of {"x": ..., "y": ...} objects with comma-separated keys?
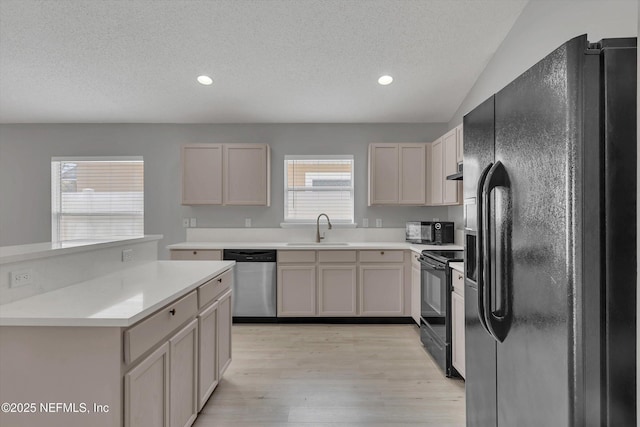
[
  {"x": 168, "y": 387},
  {"x": 381, "y": 290},
  {"x": 224, "y": 332},
  {"x": 415, "y": 287},
  {"x": 345, "y": 283},
  {"x": 183, "y": 368},
  {"x": 207, "y": 349},
  {"x": 337, "y": 290},
  {"x": 146, "y": 390}
]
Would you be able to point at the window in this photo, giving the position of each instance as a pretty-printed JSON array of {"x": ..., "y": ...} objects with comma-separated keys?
[
  {"x": 318, "y": 184},
  {"x": 96, "y": 198}
]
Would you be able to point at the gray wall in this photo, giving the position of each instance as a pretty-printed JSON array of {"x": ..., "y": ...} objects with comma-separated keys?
[
  {"x": 26, "y": 151},
  {"x": 542, "y": 26}
]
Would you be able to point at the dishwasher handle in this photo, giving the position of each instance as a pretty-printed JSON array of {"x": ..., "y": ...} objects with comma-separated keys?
[{"x": 249, "y": 255}]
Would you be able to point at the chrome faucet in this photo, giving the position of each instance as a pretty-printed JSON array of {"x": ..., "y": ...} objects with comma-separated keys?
[{"x": 318, "y": 237}]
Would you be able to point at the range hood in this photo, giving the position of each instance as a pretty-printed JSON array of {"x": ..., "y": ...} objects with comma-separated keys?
[{"x": 456, "y": 176}]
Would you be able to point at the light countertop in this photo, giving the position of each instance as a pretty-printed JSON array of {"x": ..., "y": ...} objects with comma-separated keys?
[
  {"x": 313, "y": 246},
  {"x": 41, "y": 250},
  {"x": 459, "y": 266},
  {"x": 119, "y": 299}
]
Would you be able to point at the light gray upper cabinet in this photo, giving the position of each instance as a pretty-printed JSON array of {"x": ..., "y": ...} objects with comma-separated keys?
[
  {"x": 397, "y": 174},
  {"x": 451, "y": 190},
  {"x": 202, "y": 174},
  {"x": 460, "y": 139},
  {"x": 226, "y": 174},
  {"x": 445, "y": 154},
  {"x": 437, "y": 178}
]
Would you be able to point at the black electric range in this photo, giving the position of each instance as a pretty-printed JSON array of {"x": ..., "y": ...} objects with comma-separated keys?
[{"x": 435, "y": 305}]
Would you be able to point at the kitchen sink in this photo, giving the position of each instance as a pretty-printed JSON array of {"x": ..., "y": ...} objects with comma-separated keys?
[{"x": 316, "y": 244}]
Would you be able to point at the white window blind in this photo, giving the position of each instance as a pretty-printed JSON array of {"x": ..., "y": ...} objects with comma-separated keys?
[
  {"x": 96, "y": 198},
  {"x": 318, "y": 184}
]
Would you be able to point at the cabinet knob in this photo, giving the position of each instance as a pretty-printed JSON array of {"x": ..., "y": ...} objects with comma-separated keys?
[
  {"x": 381, "y": 252},
  {"x": 195, "y": 252},
  {"x": 220, "y": 280},
  {"x": 172, "y": 311}
]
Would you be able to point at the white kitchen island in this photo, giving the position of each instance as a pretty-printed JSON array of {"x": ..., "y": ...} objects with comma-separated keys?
[{"x": 142, "y": 346}]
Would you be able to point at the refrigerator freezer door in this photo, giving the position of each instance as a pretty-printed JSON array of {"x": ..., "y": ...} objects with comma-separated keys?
[
  {"x": 480, "y": 366},
  {"x": 480, "y": 381},
  {"x": 537, "y": 139}
]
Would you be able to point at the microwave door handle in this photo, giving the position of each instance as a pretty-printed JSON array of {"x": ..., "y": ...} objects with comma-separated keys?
[
  {"x": 498, "y": 323},
  {"x": 480, "y": 246}
]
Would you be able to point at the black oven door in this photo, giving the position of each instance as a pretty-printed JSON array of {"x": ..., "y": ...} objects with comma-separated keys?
[
  {"x": 433, "y": 283},
  {"x": 435, "y": 330}
]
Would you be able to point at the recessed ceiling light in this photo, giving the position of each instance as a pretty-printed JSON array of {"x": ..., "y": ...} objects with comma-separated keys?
[
  {"x": 205, "y": 80},
  {"x": 385, "y": 80}
]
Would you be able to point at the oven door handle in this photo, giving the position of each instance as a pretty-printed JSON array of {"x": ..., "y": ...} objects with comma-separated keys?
[{"x": 433, "y": 266}]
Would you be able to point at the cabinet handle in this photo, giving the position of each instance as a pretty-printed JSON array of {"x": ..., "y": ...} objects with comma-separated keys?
[
  {"x": 195, "y": 252},
  {"x": 172, "y": 311},
  {"x": 220, "y": 280}
]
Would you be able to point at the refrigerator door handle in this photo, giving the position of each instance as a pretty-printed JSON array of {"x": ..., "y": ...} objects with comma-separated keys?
[
  {"x": 480, "y": 245},
  {"x": 498, "y": 322}
]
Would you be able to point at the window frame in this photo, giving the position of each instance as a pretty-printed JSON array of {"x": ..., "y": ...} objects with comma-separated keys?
[
  {"x": 301, "y": 222},
  {"x": 56, "y": 199}
]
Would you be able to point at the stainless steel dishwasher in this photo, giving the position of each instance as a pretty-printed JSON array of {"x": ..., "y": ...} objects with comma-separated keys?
[{"x": 254, "y": 288}]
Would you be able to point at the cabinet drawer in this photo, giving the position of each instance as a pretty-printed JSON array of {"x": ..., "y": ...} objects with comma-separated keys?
[
  {"x": 196, "y": 254},
  {"x": 214, "y": 287},
  {"x": 382, "y": 256},
  {"x": 457, "y": 280},
  {"x": 337, "y": 256},
  {"x": 296, "y": 256},
  {"x": 150, "y": 331}
]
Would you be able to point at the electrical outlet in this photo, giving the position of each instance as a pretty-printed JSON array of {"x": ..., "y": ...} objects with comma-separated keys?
[
  {"x": 127, "y": 255},
  {"x": 185, "y": 222},
  {"x": 21, "y": 277},
  {"x": 378, "y": 222},
  {"x": 365, "y": 222},
  {"x": 192, "y": 222},
  {"x": 247, "y": 222}
]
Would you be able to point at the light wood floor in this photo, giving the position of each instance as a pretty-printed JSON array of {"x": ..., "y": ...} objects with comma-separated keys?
[{"x": 332, "y": 375}]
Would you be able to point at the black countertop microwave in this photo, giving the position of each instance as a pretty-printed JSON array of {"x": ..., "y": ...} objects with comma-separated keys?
[{"x": 430, "y": 232}]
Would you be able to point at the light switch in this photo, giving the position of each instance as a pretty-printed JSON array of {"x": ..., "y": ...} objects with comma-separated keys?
[
  {"x": 365, "y": 222},
  {"x": 192, "y": 222},
  {"x": 379, "y": 222},
  {"x": 247, "y": 222}
]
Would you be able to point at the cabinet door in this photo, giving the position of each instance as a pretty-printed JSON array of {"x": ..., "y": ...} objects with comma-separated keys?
[
  {"x": 450, "y": 166},
  {"x": 337, "y": 290},
  {"x": 297, "y": 290},
  {"x": 224, "y": 321},
  {"x": 381, "y": 290},
  {"x": 437, "y": 157},
  {"x": 457, "y": 332},
  {"x": 247, "y": 174},
  {"x": 202, "y": 174},
  {"x": 460, "y": 140},
  {"x": 184, "y": 376},
  {"x": 383, "y": 174},
  {"x": 412, "y": 189},
  {"x": 415, "y": 288},
  {"x": 208, "y": 353},
  {"x": 146, "y": 391}
]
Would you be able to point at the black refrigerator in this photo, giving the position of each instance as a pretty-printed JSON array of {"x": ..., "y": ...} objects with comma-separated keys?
[{"x": 550, "y": 243}]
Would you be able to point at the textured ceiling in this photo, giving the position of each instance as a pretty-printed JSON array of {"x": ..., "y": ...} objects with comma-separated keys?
[{"x": 272, "y": 61}]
